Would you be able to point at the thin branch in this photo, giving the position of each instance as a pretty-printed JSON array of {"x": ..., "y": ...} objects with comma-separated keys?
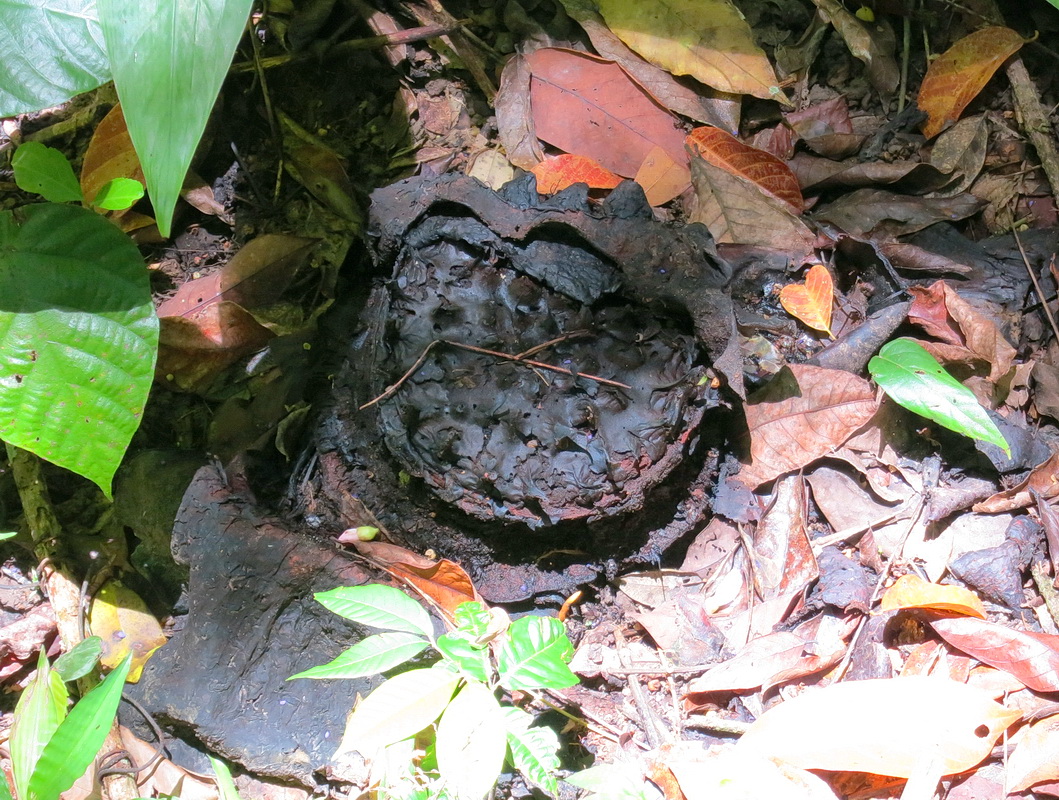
[
  {"x": 518, "y": 359},
  {"x": 1036, "y": 285}
]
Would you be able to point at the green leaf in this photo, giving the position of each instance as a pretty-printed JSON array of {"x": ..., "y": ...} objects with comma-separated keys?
[
  {"x": 78, "y": 338},
  {"x": 78, "y": 662},
  {"x": 370, "y": 656},
  {"x": 472, "y": 617},
  {"x": 51, "y": 50},
  {"x": 77, "y": 741},
  {"x": 38, "y": 714},
  {"x": 225, "y": 784},
  {"x": 471, "y": 742},
  {"x": 45, "y": 171},
  {"x": 535, "y": 655},
  {"x": 169, "y": 59},
  {"x": 913, "y": 378},
  {"x": 534, "y": 751},
  {"x": 401, "y": 707},
  {"x": 8, "y": 535},
  {"x": 471, "y": 658},
  {"x": 118, "y": 194},
  {"x": 378, "y": 606}
]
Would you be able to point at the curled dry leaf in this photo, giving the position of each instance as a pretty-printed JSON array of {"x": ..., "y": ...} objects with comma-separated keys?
[
  {"x": 812, "y": 302},
  {"x": 725, "y": 151},
  {"x": 514, "y": 120},
  {"x": 443, "y": 582},
  {"x": 1033, "y": 658},
  {"x": 956, "y": 77},
  {"x": 706, "y": 39},
  {"x": 590, "y": 107},
  {"x": 911, "y": 591},
  {"x": 804, "y": 413},
  {"x": 879, "y": 61},
  {"x": 886, "y": 727},
  {"x": 557, "y": 173}
]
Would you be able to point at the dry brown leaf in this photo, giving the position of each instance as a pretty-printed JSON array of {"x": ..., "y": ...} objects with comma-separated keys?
[
  {"x": 886, "y": 727},
  {"x": 911, "y": 591},
  {"x": 737, "y": 212},
  {"x": 1043, "y": 479},
  {"x": 804, "y": 413},
  {"x": 812, "y": 302},
  {"x": 940, "y": 311},
  {"x": 783, "y": 557},
  {"x": 774, "y": 658},
  {"x": 110, "y": 155},
  {"x": 706, "y": 39},
  {"x": 514, "y": 120},
  {"x": 874, "y": 213},
  {"x": 956, "y": 77},
  {"x": 590, "y": 107}
]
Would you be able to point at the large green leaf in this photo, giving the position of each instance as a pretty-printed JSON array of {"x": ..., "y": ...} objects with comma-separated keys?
[
  {"x": 77, "y": 741},
  {"x": 535, "y": 655},
  {"x": 78, "y": 338},
  {"x": 534, "y": 751},
  {"x": 401, "y": 707},
  {"x": 370, "y": 656},
  {"x": 379, "y": 606},
  {"x": 40, "y": 711},
  {"x": 913, "y": 378},
  {"x": 50, "y": 50},
  {"x": 471, "y": 742},
  {"x": 169, "y": 58}
]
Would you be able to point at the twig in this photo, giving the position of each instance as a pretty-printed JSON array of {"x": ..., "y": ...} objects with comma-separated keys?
[
  {"x": 390, "y": 390},
  {"x": 1036, "y": 283},
  {"x": 350, "y": 45}
]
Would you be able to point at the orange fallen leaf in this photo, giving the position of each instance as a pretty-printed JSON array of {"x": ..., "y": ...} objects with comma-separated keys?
[
  {"x": 557, "y": 173},
  {"x": 956, "y": 76},
  {"x": 661, "y": 177},
  {"x": 812, "y": 302},
  {"x": 110, "y": 155},
  {"x": 886, "y": 727},
  {"x": 723, "y": 150},
  {"x": 911, "y": 591}
]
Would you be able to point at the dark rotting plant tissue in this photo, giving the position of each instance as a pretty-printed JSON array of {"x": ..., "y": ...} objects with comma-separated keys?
[{"x": 533, "y": 361}]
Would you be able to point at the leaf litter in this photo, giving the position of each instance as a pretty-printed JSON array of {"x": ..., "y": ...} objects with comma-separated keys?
[{"x": 857, "y": 580}]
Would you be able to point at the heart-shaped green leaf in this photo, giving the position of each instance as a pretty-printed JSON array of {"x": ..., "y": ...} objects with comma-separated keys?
[
  {"x": 913, "y": 378},
  {"x": 47, "y": 172},
  {"x": 168, "y": 61},
  {"x": 78, "y": 338},
  {"x": 51, "y": 50}
]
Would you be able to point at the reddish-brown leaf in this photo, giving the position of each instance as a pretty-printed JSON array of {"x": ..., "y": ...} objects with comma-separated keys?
[
  {"x": 803, "y": 414},
  {"x": 557, "y": 173},
  {"x": 812, "y": 302},
  {"x": 1033, "y": 658},
  {"x": 591, "y": 107},
  {"x": 956, "y": 77},
  {"x": 723, "y": 150},
  {"x": 911, "y": 591}
]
